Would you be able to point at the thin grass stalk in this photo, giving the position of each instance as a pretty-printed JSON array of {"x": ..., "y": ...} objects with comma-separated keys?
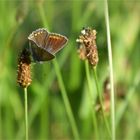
[
  {"x": 42, "y": 14},
  {"x": 26, "y": 113},
  {"x": 100, "y": 100},
  {"x": 66, "y": 101},
  {"x": 111, "y": 71},
  {"x": 44, "y": 119},
  {"x": 92, "y": 102},
  {"x": 1, "y": 127},
  {"x": 62, "y": 87},
  {"x": 131, "y": 92}
]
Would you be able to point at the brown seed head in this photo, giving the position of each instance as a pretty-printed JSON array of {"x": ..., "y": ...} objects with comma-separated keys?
[
  {"x": 24, "y": 69},
  {"x": 87, "y": 40},
  {"x": 82, "y": 52}
]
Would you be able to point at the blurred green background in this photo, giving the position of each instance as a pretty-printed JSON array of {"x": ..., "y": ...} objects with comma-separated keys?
[{"x": 47, "y": 115}]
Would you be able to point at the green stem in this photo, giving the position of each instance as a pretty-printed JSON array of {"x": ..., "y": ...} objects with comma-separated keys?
[
  {"x": 111, "y": 71},
  {"x": 131, "y": 92},
  {"x": 92, "y": 102},
  {"x": 42, "y": 14},
  {"x": 26, "y": 113},
  {"x": 66, "y": 101},
  {"x": 62, "y": 87},
  {"x": 100, "y": 100}
]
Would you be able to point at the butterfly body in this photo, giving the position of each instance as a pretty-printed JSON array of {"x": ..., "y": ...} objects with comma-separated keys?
[{"x": 44, "y": 45}]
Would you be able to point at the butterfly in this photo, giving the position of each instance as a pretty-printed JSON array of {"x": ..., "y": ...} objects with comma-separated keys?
[{"x": 44, "y": 45}]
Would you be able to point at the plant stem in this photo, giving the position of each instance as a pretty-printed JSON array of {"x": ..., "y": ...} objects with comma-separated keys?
[
  {"x": 66, "y": 101},
  {"x": 62, "y": 87},
  {"x": 26, "y": 113},
  {"x": 100, "y": 100},
  {"x": 42, "y": 14},
  {"x": 131, "y": 92},
  {"x": 111, "y": 71},
  {"x": 92, "y": 102}
]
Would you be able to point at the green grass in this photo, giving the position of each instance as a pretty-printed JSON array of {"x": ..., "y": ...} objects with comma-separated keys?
[
  {"x": 67, "y": 83},
  {"x": 111, "y": 75},
  {"x": 26, "y": 113}
]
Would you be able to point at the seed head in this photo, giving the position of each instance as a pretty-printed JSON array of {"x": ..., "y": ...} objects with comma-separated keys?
[
  {"x": 88, "y": 48},
  {"x": 24, "y": 69}
]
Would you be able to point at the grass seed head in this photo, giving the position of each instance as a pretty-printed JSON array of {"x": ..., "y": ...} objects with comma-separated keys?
[
  {"x": 88, "y": 49},
  {"x": 24, "y": 69}
]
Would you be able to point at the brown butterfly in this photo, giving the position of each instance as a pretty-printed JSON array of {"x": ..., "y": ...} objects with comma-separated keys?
[{"x": 44, "y": 45}]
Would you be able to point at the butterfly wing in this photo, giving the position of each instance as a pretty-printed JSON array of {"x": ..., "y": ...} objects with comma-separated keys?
[
  {"x": 37, "y": 43},
  {"x": 38, "y": 37},
  {"x": 39, "y": 54},
  {"x": 43, "y": 45},
  {"x": 55, "y": 42}
]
